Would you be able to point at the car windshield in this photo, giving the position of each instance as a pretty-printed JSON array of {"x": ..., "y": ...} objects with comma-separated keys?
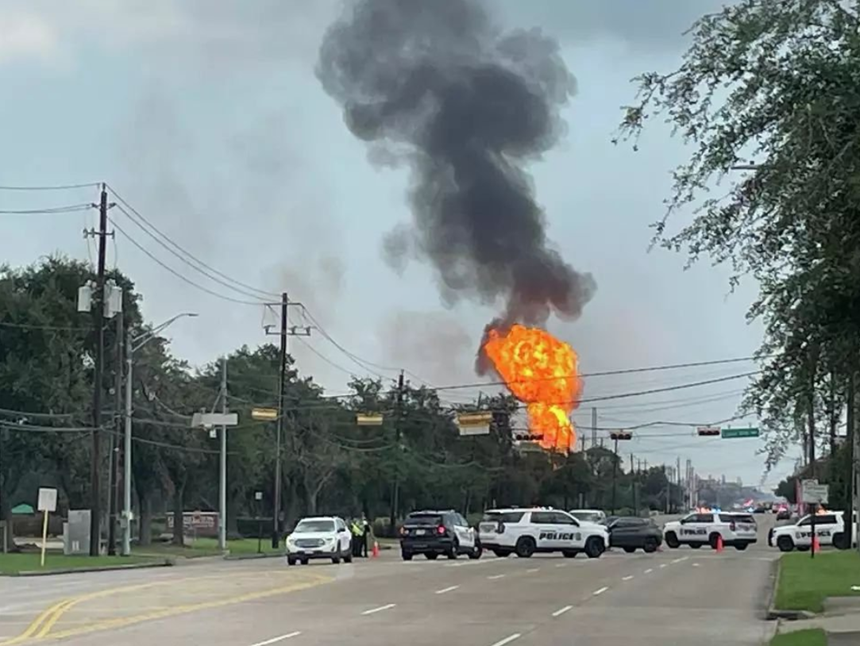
[
  {"x": 424, "y": 519},
  {"x": 587, "y": 516},
  {"x": 308, "y": 526},
  {"x": 503, "y": 516}
]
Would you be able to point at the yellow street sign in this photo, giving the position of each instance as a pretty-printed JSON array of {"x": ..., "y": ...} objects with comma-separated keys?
[
  {"x": 264, "y": 414},
  {"x": 368, "y": 420},
  {"x": 474, "y": 423}
]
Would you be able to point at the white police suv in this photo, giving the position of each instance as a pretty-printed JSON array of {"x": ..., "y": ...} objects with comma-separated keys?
[
  {"x": 736, "y": 529},
  {"x": 526, "y": 531},
  {"x": 829, "y": 527},
  {"x": 321, "y": 537}
]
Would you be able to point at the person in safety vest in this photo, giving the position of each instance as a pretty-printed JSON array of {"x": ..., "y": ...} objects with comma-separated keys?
[
  {"x": 365, "y": 535},
  {"x": 357, "y": 534}
]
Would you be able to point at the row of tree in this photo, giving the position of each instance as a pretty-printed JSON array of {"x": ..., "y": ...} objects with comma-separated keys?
[
  {"x": 767, "y": 97},
  {"x": 331, "y": 463}
]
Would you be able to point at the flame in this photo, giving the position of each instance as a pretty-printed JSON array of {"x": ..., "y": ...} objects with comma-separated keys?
[{"x": 540, "y": 371}]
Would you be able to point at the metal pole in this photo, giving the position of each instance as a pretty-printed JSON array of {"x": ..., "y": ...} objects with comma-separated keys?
[
  {"x": 276, "y": 511},
  {"x": 593, "y": 427},
  {"x": 614, "y": 475},
  {"x": 98, "y": 322},
  {"x": 126, "y": 454},
  {"x": 113, "y": 493},
  {"x": 222, "y": 498}
]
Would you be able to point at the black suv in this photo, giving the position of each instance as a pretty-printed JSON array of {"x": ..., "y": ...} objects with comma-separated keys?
[
  {"x": 635, "y": 533},
  {"x": 432, "y": 533}
]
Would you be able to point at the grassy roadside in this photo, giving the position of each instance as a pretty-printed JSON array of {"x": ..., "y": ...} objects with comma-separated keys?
[
  {"x": 206, "y": 547},
  {"x": 805, "y": 583},
  {"x": 813, "y": 637},
  {"x": 30, "y": 561}
]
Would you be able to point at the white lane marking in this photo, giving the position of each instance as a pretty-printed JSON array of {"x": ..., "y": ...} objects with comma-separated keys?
[
  {"x": 679, "y": 560},
  {"x": 695, "y": 565},
  {"x": 387, "y": 606},
  {"x": 662, "y": 565},
  {"x": 495, "y": 576},
  {"x": 533, "y": 570},
  {"x": 561, "y": 611},
  {"x": 508, "y": 639},
  {"x": 649, "y": 570},
  {"x": 448, "y": 589},
  {"x": 627, "y": 578},
  {"x": 683, "y": 559},
  {"x": 275, "y": 640},
  {"x": 561, "y": 565},
  {"x": 601, "y": 591}
]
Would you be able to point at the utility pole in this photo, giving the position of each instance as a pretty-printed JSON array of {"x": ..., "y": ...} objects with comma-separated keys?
[
  {"x": 851, "y": 449},
  {"x": 113, "y": 493},
  {"x": 616, "y": 436},
  {"x": 126, "y": 452},
  {"x": 222, "y": 497},
  {"x": 594, "y": 427},
  {"x": 395, "y": 487},
  {"x": 285, "y": 331},
  {"x": 98, "y": 326}
]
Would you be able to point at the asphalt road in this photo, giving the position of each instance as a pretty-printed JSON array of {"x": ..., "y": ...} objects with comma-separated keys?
[{"x": 672, "y": 597}]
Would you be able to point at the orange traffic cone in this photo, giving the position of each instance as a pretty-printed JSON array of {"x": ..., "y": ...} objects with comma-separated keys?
[
  {"x": 375, "y": 552},
  {"x": 719, "y": 544},
  {"x": 816, "y": 546}
]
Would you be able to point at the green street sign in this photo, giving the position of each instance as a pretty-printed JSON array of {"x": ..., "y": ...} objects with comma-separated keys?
[{"x": 732, "y": 433}]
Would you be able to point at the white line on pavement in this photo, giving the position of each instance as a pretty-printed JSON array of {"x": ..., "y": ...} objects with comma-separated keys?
[
  {"x": 561, "y": 611},
  {"x": 507, "y": 640},
  {"x": 448, "y": 589},
  {"x": 686, "y": 558},
  {"x": 533, "y": 570},
  {"x": 275, "y": 640},
  {"x": 379, "y": 609},
  {"x": 495, "y": 576},
  {"x": 662, "y": 565},
  {"x": 695, "y": 565},
  {"x": 601, "y": 591},
  {"x": 561, "y": 564},
  {"x": 627, "y": 578},
  {"x": 649, "y": 570}
]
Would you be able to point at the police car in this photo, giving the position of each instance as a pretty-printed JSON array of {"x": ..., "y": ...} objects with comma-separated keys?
[
  {"x": 829, "y": 527},
  {"x": 736, "y": 529},
  {"x": 527, "y": 531}
]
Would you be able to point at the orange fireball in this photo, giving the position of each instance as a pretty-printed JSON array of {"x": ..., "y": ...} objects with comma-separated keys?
[{"x": 540, "y": 371}]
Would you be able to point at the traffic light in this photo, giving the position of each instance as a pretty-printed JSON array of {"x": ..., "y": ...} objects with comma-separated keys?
[
  {"x": 620, "y": 435},
  {"x": 708, "y": 431}
]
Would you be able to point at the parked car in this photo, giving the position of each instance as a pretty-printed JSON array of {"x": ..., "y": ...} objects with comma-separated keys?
[
  {"x": 432, "y": 533},
  {"x": 783, "y": 514},
  {"x": 321, "y": 537},
  {"x": 631, "y": 534}
]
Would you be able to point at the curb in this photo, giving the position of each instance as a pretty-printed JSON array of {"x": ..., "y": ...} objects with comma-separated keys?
[
  {"x": 774, "y": 613},
  {"x": 251, "y": 557},
  {"x": 100, "y": 568}
]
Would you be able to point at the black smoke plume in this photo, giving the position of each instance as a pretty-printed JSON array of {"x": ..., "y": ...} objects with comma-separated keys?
[{"x": 467, "y": 106}]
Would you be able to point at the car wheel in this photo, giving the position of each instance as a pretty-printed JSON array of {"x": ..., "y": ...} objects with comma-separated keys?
[
  {"x": 431, "y": 556},
  {"x": 526, "y": 546},
  {"x": 630, "y": 550},
  {"x": 291, "y": 560},
  {"x": 839, "y": 541},
  {"x": 407, "y": 556},
  {"x": 650, "y": 545},
  {"x": 304, "y": 561},
  {"x": 695, "y": 546},
  {"x": 672, "y": 540},
  {"x": 785, "y": 544},
  {"x": 713, "y": 540},
  {"x": 570, "y": 554},
  {"x": 594, "y": 547},
  {"x": 740, "y": 547},
  {"x": 454, "y": 551},
  {"x": 476, "y": 552},
  {"x": 502, "y": 554},
  {"x": 803, "y": 548},
  {"x": 335, "y": 560}
]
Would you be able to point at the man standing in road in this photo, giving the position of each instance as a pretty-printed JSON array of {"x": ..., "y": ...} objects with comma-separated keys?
[
  {"x": 365, "y": 535},
  {"x": 357, "y": 533}
]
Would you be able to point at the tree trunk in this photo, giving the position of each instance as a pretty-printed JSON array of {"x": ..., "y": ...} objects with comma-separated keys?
[
  {"x": 311, "y": 500},
  {"x": 178, "y": 516},
  {"x": 235, "y": 504},
  {"x": 145, "y": 513}
]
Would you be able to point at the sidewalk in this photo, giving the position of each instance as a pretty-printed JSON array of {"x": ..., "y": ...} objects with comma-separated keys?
[{"x": 840, "y": 620}]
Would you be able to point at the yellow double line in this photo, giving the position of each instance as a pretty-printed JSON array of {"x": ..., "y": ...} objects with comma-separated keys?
[{"x": 41, "y": 626}]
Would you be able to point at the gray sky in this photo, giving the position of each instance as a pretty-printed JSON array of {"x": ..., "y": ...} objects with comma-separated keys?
[{"x": 207, "y": 117}]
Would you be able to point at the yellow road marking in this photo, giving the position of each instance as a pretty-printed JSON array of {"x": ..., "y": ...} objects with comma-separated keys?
[
  {"x": 179, "y": 610},
  {"x": 41, "y": 626}
]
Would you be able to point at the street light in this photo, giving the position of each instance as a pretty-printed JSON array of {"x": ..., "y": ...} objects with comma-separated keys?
[{"x": 132, "y": 345}]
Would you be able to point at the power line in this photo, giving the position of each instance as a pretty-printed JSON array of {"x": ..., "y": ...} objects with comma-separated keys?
[
  {"x": 606, "y": 373},
  {"x": 54, "y": 328},
  {"x": 181, "y": 251},
  {"x": 69, "y": 208},
  {"x": 58, "y": 187},
  {"x": 176, "y": 273}
]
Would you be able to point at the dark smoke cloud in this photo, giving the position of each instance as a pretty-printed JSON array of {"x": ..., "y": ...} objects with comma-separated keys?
[{"x": 467, "y": 106}]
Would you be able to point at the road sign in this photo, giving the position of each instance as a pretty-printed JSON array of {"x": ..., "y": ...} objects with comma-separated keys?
[
  {"x": 733, "y": 433},
  {"x": 47, "y": 499},
  {"x": 369, "y": 420},
  {"x": 208, "y": 420},
  {"x": 474, "y": 423},
  {"x": 811, "y": 492},
  {"x": 264, "y": 414}
]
